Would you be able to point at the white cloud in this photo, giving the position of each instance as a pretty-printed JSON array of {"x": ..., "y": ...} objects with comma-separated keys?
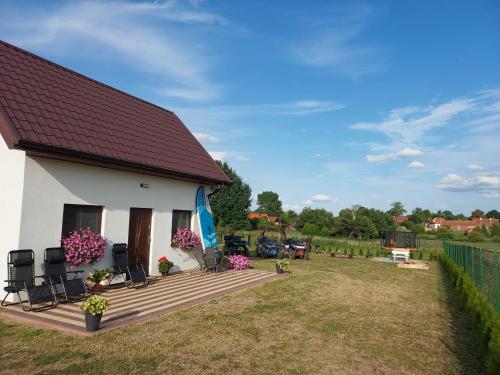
[
  {"x": 416, "y": 165},
  {"x": 474, "y": 167},
  {"x": 204, "y": 137},
  {"x": 337, "y": 47},
  {"x": 242, "y": 158},
  {"x": 218, "y": 155},
  {"x": 320, "y": 198},
  {"x": 413, "y": 127},
  {"x": 135, "y": 33},
  {"x": 321, "y": 156},
  {"x": 486, "y": 184},
  {"x": 404, "y": 153},
  {"x": 492, "y": 195}
]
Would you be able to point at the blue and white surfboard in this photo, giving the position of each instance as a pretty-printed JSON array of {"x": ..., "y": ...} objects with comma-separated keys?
[{"x": 205, "y": 220}]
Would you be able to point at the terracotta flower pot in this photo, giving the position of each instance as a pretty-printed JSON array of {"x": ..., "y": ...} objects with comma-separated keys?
[{"x": 97, "y": 288}]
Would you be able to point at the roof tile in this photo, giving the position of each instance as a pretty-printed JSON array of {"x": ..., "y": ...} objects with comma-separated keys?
[{"x": 49, "y": 105}]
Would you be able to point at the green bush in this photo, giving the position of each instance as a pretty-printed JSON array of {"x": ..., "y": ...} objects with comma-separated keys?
[
  {"x": 483, "y": 318},
  {"x": 476, "y": 236}
]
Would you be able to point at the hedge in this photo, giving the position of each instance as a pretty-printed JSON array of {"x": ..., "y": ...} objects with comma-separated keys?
[{"x": 483, "y": 318}]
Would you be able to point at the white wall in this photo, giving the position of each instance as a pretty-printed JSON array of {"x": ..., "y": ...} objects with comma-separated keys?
[
  {"x": 49, "y": 184},
  {"x": 11, "y": 193}
]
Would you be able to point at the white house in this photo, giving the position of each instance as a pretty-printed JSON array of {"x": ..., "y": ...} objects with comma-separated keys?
[{"x": 75, "y": 153}]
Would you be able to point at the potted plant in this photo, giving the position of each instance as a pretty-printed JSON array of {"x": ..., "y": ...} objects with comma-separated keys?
[
  {"x": 282, "y": 265},
  {"x": 164, "y": 265},
  {"x": 93, "y": 307},
  {"x": 186, "y": 239},
  {"x": 95, "y": 279}
]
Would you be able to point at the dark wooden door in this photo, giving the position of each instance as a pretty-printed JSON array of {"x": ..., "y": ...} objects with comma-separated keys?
[{"x": 139, "y": 236}]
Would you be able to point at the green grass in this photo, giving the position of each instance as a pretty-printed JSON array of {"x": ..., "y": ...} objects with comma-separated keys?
[{"x": 329, "y": 315}]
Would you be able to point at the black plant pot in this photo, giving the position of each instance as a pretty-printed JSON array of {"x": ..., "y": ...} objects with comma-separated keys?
[
  {"x": 279, "y": 269},
  {"x": 92, "y": 322}
]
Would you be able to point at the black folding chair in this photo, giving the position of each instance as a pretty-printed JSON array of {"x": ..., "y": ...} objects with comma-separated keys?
[
  {"x": 73, "y": 289},
  {"x": 21, "y": 274},
  {"x": 134, "y": 273}
]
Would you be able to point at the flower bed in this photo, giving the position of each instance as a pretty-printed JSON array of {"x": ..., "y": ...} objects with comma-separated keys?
[{"x": 239, "y": 262}]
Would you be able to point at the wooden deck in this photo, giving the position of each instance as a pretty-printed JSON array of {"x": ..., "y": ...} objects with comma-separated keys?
[{"x": 162, "y": 296}]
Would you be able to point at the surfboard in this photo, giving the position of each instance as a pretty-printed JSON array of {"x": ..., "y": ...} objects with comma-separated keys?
[{"x": 205, "y": 220}]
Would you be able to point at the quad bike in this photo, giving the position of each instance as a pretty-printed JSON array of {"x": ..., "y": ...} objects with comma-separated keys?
[
  {"x": 294, "y": 249},
  {"x": 267, "y": 248},
  {"x": 235, "y": 245}
]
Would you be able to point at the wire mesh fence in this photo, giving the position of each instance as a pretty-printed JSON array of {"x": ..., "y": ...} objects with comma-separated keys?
[{"x": 482, "y": 266}]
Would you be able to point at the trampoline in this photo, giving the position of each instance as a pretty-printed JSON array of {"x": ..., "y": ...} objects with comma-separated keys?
[{"x": 399, "y": 240}]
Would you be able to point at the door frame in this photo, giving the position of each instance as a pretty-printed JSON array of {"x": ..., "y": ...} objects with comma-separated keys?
[{"x": 149, "y": 212}]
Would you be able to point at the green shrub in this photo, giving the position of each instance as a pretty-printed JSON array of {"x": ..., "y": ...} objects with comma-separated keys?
[
  {"x": 483, "y": 318},
  {"x": 476, "y": 236},
  {"x": 361, "y": 252},
  {"x": 377, "y": 254}
]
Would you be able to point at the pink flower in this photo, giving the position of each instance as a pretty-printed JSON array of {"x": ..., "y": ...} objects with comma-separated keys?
[
  {"x": 186, "y": 239},
  {"x": 239, "y": 262},
  {"x": 83, "y": 247}
]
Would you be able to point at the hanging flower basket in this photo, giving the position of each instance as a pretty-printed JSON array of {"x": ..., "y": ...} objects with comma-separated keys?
[
  {"x": 83, "y": 247},
  {"x": 186, "y": 239}
]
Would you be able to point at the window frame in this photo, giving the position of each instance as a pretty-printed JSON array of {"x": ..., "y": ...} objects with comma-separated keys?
[
  {"x": 181, "y": 211},
  {"x": 99, "y": 212}
]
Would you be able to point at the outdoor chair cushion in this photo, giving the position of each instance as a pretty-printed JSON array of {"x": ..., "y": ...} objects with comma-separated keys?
[
  {"x": 22, "y": 262},
  {"x": 57, "y": 259}
]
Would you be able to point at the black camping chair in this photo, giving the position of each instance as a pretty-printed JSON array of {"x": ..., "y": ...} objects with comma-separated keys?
[
  {"x": 73, "y": 289},
  {"x": 21, "y": 274},
  {"x": 134, "y": 273},
  {"x": 211, "y": 258}
]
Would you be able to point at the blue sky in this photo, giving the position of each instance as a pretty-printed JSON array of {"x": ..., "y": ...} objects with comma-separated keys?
[{"x": 330, "y": 104}]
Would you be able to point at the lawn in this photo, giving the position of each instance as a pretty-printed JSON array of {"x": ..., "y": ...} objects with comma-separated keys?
[{"x": 328, "y": 316}]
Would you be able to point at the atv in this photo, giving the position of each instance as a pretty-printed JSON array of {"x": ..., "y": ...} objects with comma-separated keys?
[
  {"x": 267, "y": 248},
  {"x": 235, "y": 245},
  {"x": 294, "y": 249}
]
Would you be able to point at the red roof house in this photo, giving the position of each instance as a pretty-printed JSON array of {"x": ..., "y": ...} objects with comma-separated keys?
[{"x": 76, "y": 153}]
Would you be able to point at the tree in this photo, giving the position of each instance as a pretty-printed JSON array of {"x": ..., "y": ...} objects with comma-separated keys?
[
  {"x": 319, "y": 216},
  {"x": 477, "y": 213},
  {"x": 289, "y": 217},
  {"x": 495, "y": 230},
  {"x": 397, "y": 209},
  {"x": 310, "y": 229},
  {"x": 420, "y": 216},
  {"x": 269, "y": 203},
  {"x": 230, "y": 205},
  {"x": 493, "y": 214}
]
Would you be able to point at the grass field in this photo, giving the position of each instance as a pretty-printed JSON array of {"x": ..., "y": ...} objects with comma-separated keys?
[{"x": 328, "y": 316}]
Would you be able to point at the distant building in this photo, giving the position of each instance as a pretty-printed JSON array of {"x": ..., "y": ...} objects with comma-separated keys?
[
  {"x": 271, "y": 219},
  {"x": 461, "y": 225},
  {"x": 400, "y": 219}
]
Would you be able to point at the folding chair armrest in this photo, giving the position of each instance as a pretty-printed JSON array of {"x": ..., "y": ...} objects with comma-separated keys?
[{"x": 13, "y": 281}]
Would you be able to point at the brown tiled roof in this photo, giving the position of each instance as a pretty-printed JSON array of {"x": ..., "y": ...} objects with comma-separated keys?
[{"x": 50, "y": 110}]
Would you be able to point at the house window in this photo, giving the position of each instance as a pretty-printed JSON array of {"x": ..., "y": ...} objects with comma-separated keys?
[
  {"x": 180, "y": 219},
  {"x": 77, "y": 217}
]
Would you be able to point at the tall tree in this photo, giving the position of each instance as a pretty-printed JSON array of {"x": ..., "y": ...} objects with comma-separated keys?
[
  {"x": 397, "y": 209},
  {"x": 318, "y": 216},
  {"x": 493, "y": 214},
  {"x": 230, "y": 205},
  {"x": 269, "y": 202},
  {"x": 477, "y": 213}
]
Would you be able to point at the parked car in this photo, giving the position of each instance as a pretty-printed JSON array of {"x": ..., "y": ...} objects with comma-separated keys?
[
  {"x": 235, "y": 245},
  {"x": 294, "y": 249},
  {"x": 267, "y": 248}
]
